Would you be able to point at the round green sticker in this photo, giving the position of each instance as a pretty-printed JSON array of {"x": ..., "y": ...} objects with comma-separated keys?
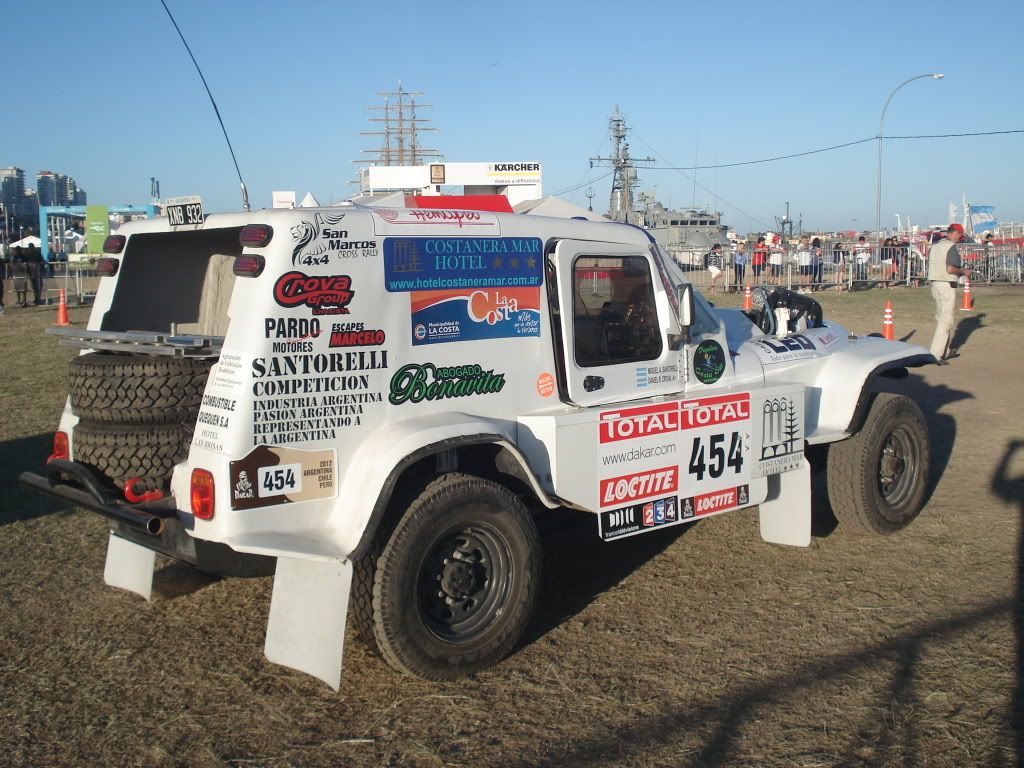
[{"x": 709, "y": 362}]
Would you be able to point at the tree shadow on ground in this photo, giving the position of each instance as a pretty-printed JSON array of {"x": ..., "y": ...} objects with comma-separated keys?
[
  {"x": 1010, "y": 488},
  {"x": 964, "y": 329},
  {"x": 21, "y": 503},
  {"x": 579, "y": 565},
  {"x": 668, "y": 731}
]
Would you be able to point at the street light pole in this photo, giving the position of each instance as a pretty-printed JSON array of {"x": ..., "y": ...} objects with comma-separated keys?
[{"x": 878, "y": 184}]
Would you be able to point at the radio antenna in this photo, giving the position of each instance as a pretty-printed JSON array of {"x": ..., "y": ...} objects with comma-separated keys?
[{"x": 245, "y": 193}]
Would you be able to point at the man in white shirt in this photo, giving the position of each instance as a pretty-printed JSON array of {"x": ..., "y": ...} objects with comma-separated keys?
[{"x": 944, "y": 267}]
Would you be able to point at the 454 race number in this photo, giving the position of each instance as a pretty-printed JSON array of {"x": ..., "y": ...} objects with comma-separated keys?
[
  {"x": 714, "y": 455},
  {"x": 285, "y": 478}
]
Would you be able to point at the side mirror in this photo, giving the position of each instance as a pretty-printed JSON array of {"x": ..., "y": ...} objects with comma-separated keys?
[{"x": 684, "y": 293}]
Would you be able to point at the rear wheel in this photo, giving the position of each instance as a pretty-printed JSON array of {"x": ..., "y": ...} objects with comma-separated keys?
[
  {"x": 455, "y": 584},
  {"x": 877, "y": 479}
]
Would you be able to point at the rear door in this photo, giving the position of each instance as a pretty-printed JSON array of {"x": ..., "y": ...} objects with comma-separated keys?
[{"x": 613, "y": 316}]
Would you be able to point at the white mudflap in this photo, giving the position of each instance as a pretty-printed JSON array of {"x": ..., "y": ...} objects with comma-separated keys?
[
  {"x": 306, "y": 628},
  {"x": 129, "y": 566},
  {"x": 786, "y": 516}
]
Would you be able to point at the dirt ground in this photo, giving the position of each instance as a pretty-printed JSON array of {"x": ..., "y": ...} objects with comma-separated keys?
[{"x": 696, "y": 646}]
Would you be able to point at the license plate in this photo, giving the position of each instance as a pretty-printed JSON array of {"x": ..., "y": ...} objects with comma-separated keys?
[{"x": 184, "y": 211}]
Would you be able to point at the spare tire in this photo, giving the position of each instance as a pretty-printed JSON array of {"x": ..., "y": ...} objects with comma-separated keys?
[
  {"x": 137, "y": 389},
  {"x": 121, "y": 452}
]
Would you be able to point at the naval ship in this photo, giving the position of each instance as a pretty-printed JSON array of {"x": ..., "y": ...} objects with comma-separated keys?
[{"x": 685, "y": 235}]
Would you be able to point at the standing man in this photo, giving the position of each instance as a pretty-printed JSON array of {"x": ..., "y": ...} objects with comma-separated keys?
[
  {"x": 715, "y": 263},
  {"x": 944, "y": 268},
  {"x": 36, "y": 272},
  {"x": 739, "y": 261}
]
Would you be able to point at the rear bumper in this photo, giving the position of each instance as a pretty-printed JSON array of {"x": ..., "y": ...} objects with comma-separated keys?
[
  {"x": 154, "y": 525},
  {"x": 85, "y": 490}
]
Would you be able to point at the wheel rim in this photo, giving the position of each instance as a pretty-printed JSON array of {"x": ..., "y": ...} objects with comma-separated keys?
[
  {"x": 898, "y": 467},
  {"x": 464, "y": 582}
]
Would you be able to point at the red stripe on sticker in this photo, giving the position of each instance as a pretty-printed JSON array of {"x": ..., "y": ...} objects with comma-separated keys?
[
  {"x": 631, "y": 423},
  {"x": 709, "y": 503},
  {"x": 711, "y": 411},
  {"x": 616, "y": 491}
]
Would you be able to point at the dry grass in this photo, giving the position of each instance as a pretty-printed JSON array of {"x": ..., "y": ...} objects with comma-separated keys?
[{"x": 699, "y": 646}]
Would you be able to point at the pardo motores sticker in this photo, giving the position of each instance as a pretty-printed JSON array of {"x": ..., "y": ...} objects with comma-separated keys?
[
  {"x": 709, "y": 362},
  {"x": 272, "y": 474}
]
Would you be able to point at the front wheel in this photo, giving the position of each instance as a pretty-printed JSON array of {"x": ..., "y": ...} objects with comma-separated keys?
[
  {"x": 878, "y": 479},
  {"x": 455, "y": 584}
]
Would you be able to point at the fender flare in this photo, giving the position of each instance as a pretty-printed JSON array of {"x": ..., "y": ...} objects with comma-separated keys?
[
  {"x": 524, "y": 473},
  {"x": 890, "y": 368}
]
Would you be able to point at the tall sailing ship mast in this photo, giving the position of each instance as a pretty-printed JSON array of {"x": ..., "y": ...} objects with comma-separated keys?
[{"x": 400, "y": 130}]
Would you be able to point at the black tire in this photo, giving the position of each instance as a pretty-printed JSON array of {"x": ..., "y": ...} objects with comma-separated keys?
[
  {"x": 878, "y": 479},
  {"x": 120, "y": 452},
  {"x": 456, "y": 582},
  {"x": 361, "y": 602},
  {"x": 137, "y": 389}
]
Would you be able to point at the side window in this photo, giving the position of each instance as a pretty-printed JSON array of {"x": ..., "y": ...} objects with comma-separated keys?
[{"x": 614, "y": 316}]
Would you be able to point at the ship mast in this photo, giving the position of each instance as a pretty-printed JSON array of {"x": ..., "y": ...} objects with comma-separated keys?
[
  {"x": 401, "y": 144},
  {"x": 624, "y": 179}
]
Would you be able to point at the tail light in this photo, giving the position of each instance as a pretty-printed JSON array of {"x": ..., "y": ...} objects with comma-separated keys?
[
  {"x": 60, "y": 447},
  {"x": 255, "y": 235},
  {"x": 202, "y": 494},
  {"x": 248, "y": 266},
  {"x": 114, "y": 243},
  {"x": 107, "y": 267}
]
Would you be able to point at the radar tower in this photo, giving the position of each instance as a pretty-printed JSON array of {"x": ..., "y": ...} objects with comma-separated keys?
[{"x": 624, "y": 179}]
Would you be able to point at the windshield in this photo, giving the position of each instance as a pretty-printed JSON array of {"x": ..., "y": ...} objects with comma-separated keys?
[{"x": 704, "y": 319}]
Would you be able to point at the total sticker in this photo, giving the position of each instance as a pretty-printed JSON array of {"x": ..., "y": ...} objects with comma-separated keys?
[{"x": 275, "y": 481}]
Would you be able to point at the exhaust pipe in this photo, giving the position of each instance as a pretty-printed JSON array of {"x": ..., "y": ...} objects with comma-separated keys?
[{"x": 92, "y": 496}]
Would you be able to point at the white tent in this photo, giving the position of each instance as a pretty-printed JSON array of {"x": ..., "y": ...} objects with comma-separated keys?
[
  {"x": 25, "y": 242},
  {"x": 556, "y": 207}
]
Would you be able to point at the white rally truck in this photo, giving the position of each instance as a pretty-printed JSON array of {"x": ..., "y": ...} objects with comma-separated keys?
[{"x": 374, "y": 405}]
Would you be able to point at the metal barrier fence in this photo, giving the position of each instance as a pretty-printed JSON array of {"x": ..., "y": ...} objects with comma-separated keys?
[
  {"x": 78, "y": 281},
  {"x": 847, "y": 267}
]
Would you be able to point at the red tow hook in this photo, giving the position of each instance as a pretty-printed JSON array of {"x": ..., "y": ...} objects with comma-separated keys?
[{"x": 135, "y": 498}]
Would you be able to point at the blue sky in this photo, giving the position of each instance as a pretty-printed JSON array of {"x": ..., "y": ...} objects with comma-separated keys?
[{"x": 105, "y": 92}]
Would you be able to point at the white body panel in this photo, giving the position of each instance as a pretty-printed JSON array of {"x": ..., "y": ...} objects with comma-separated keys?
[{"x": 373, "y": 337}]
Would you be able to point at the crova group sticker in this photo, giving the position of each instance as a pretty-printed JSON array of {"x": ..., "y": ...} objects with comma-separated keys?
[
  {"x": 709, "y": 362},
  {"x": 325, "y": 294}
]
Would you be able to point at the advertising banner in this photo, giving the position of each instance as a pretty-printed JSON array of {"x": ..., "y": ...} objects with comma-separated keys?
[{"x": 97, "y": 227}]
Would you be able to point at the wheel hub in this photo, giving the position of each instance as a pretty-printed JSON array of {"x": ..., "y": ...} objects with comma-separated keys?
[
  {"x": 898, "y": 467},
  {"x": 892, "y": 465},
  {"x": 464, "y": 582},
  {"x": 460, "y": 580}
]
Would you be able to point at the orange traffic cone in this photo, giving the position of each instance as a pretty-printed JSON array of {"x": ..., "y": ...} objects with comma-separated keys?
[
  {"x": 887, "y": 328},
  {"x": 62, "y": 310},
  {"x": 748, "y": 302},
  {"x": 967, "y": 304}
]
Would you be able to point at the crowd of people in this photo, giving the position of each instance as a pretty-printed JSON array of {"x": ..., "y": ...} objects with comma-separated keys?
[
  {"x": 813, "y": 265},
  {"x": 25, "y": 267}
]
